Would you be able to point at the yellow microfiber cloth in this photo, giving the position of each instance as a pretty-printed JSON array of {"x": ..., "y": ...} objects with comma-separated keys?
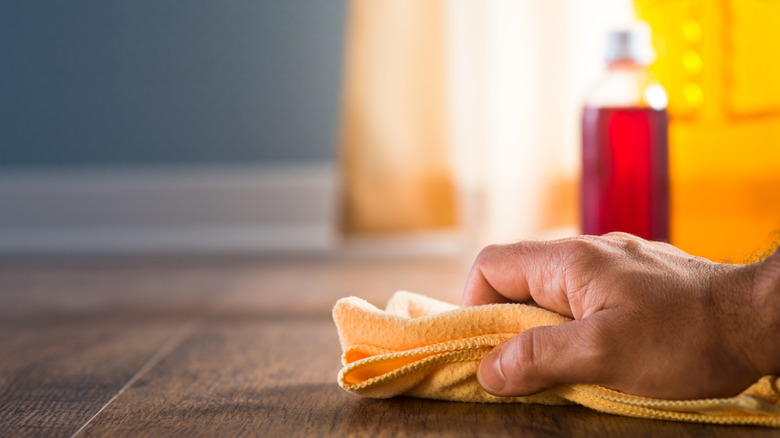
[{"x": 422, "y": 347}]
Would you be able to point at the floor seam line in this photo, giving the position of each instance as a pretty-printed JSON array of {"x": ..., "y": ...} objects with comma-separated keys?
[{"x": 164, "y": 351}]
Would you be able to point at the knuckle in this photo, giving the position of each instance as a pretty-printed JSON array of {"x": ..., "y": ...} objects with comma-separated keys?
[
  {"x": 619, "y": 236},
  {"x": 583, "y": 258},
  {"x": 584, "y": 251},
  {"x": 486, "y": 254},
  {"x": 633, "y": 245},
  {"x": 491, "y": 253},
  {"x": 628, "y": 243}
]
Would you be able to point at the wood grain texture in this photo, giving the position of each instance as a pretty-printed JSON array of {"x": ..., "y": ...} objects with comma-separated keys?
[
  {"x": 277, "y": 379},
  {"x": 73, "y": 333},
  {"x": 54, "y": 379},
  {"x": 233, "y": 347}
]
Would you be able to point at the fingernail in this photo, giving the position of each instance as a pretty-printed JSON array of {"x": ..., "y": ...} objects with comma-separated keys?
[{"x": 489, "y": 373}]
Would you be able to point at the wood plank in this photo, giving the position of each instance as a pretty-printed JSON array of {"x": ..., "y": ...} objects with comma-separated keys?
[
  {"x": 229, "y": 379},
  {"x": 261, "y": 360},
  {"x": 74, "y": 332},
  {"x": 52, "y": 379},
  {"x": 278, "y": 379}
]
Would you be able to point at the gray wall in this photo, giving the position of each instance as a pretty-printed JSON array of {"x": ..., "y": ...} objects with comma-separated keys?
[{"x": 105, "y": 82}]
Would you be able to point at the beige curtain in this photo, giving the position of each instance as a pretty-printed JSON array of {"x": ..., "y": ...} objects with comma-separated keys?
[{"x": 395, "y": 160}]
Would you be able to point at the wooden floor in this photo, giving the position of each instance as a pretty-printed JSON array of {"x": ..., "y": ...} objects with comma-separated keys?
[{"x": 231, "y": 347}]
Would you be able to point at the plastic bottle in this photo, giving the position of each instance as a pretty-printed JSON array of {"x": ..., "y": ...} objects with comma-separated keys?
[{"x": 625, "y": 173}]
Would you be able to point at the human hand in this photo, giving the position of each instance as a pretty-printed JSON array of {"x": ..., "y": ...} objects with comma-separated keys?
[{"x": 649, "y": 319}]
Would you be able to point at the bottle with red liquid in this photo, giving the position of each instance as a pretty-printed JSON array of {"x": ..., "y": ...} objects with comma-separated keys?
[{"x": 625, "y": 172}]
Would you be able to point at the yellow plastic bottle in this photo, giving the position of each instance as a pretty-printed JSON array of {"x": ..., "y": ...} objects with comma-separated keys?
[{"x": 720, "y": 64}]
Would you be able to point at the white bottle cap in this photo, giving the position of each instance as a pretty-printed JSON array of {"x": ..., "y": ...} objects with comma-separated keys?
[{"x": 632, "y": 44}]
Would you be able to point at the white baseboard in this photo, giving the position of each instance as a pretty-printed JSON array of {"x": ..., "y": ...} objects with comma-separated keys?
[{"x": 177, "y": 209}]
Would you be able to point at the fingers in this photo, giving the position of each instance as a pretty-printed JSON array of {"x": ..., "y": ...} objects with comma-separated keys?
[
  {"x": 495, "y": 270},
  {"x": 521, "y": 272},
  {"x": 544, "y": 357}
]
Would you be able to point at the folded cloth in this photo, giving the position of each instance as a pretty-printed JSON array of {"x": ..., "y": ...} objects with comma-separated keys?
[{"x": 426, "y": 348}]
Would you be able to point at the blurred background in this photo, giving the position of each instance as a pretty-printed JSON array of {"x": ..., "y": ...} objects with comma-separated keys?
[{"x": 381, "y": 126}]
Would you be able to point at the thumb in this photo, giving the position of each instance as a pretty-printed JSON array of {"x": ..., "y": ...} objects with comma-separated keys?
[{"x": 544, "y": 357}]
